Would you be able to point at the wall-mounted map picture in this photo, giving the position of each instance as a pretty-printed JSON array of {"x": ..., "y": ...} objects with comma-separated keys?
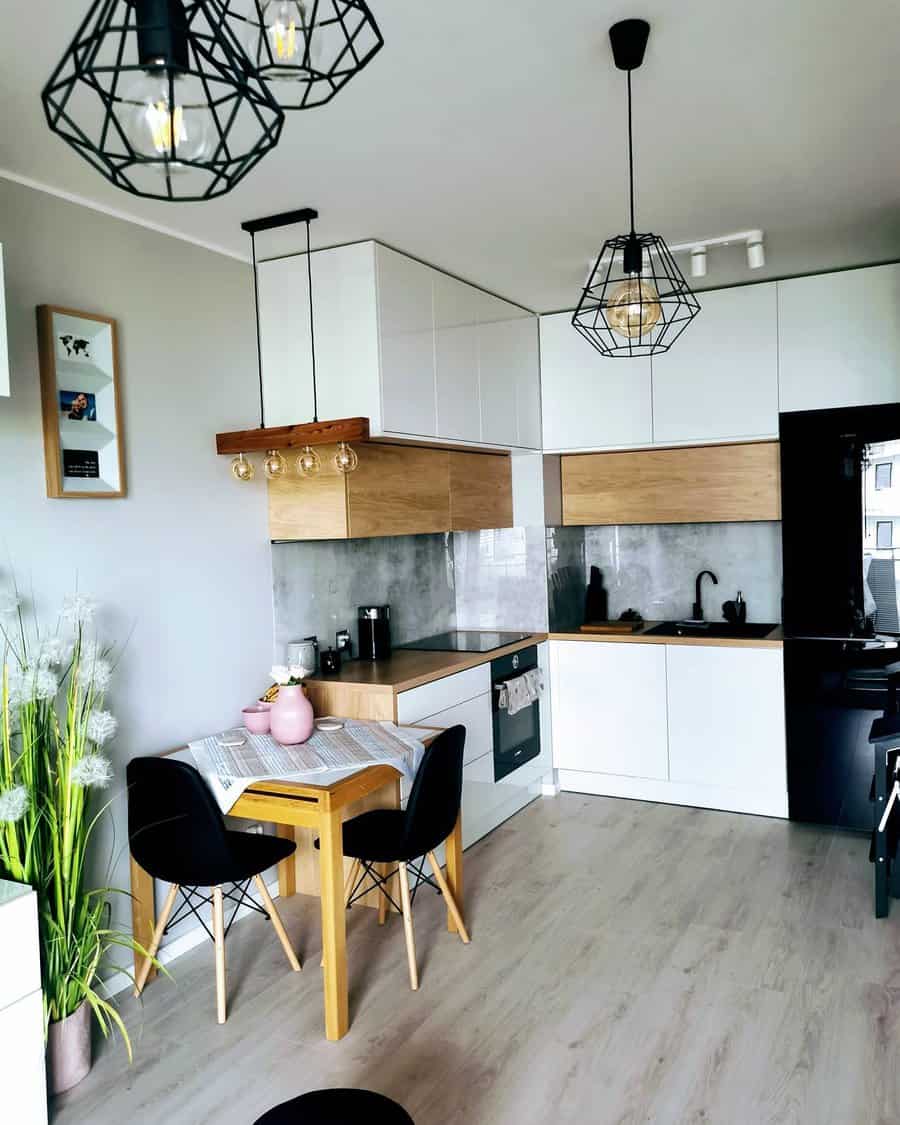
[{"x": 80, "y": 398}]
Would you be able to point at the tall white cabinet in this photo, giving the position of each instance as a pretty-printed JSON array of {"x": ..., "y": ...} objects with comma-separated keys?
[
  {"x": 839, "y": 339},
  {"x": 23, "y": 1090},
  {"x": 421, "y": 354}
]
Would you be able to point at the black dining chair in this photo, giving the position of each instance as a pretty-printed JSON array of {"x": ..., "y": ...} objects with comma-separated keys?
[
  {"x": 177, "y": 834},
  {"x": 337, "y": 1107},
  {"x": 399, "y": 837}
]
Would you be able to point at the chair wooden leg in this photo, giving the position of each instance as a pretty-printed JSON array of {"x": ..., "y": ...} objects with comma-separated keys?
[
  {"x": 382, "y": 870},
  {"x": 153, "y": 948},
  {"x": 408, "y": 928},
  {"x": 275, "y": 918},
  {"x": 351, "y": 880},
  {"x": 451, "y": 902},
  {"x": 218, "y": 920}
]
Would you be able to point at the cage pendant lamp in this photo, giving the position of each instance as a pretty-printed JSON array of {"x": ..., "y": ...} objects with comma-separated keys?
[
  {"x": 636, "y": 301},
  {"x": 159, "y": 96},
  {"x": 306, "y": 50}
]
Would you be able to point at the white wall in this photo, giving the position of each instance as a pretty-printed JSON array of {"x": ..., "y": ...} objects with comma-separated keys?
[{"x": 183, "y": 563}]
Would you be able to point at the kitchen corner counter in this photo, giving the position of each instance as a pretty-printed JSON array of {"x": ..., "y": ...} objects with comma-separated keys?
[
  {"x": 774, "y": 639},
  {"x": 410, "y": 668}
]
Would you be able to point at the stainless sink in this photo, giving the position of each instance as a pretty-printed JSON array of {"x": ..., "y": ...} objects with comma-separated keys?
[{"x": 750, "y": 630}]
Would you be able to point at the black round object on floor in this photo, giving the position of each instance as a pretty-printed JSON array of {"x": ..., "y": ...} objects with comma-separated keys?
[{"x": 337, "y": 1107}]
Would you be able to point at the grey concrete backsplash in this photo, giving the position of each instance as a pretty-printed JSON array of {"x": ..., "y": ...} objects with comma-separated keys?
[
  {"x": 652, "y": 568},
  {"x": 319, "y": 585},
  {"x": 501, "y": 579},
  {"x": 566, "y": 578}
]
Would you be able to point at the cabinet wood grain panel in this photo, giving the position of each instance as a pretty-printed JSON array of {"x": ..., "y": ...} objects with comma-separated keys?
[
  {"x": 697, "y": 484},
  {"x": 310, "y": 507},
  {"x": 399, "y": 490},
  {"x": 480, "y": 491}
]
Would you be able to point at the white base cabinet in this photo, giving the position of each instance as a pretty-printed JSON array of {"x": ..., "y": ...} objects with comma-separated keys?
[
  {"x": 694, "y": 725},
  {"x": 23, "y": 1088}
]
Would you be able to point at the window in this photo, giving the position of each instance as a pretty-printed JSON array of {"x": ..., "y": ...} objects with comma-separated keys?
[
  {"x": 884, "y": 533},
  {"x": 883, "y": 476}
]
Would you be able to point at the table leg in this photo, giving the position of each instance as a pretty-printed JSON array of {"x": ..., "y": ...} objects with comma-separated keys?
[
  {"x": 287, "y": 869},
  {"x": 143, "y": 913},
  {"x": 334, "y": 925},
  {"x": 453, "y": 849}
]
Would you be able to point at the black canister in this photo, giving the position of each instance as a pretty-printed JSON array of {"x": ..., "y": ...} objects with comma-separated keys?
[
  {"x": 330, "y": 662},
  {"x": 374, "y": 627}
]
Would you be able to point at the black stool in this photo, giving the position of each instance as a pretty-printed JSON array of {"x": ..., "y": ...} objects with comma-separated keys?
[
  {"x": 177, "y": 833},
  {"x": 337, "y": 1107}
]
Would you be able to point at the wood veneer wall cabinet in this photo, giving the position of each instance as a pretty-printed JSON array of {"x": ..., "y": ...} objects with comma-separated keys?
[
  {"x": 397, "y": 490},
  {"x": 480, "y": 491},
  {"x": 694, "y": 484}
]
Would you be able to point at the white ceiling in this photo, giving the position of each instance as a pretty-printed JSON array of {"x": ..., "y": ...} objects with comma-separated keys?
[{"x": 488, "y": 138}]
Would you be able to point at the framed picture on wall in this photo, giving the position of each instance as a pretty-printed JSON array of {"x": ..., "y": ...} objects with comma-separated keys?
[{"x": 80, "y": 402}]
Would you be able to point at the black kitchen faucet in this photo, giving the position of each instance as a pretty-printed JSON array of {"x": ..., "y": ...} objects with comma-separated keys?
[{"x": 697, "y": 611}]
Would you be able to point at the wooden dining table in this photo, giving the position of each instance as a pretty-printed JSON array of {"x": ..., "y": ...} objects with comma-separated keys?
[{"x": 290, "y": 805}]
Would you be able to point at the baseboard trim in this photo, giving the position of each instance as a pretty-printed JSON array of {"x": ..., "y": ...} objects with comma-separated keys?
[
  {"x": 675, "y": 793},
  {"x": 175, "y": 948}
]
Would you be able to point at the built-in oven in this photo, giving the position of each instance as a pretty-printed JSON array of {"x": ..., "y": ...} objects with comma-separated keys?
[{"x": 517, "y": 738}]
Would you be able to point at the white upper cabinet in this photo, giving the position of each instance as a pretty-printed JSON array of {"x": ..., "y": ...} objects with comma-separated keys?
[
  {"x": 839, "y": 339},
  {"x": 418, "y": 353},
  {"x": 588, "y": 401},
  {"x": 719, "y": 381},
  {"x": 456, "y": 358},
  {"x": 406, "y": 317}
]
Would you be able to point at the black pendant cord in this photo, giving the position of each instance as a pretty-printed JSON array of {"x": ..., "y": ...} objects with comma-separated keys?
[
  {"x": 262, "y": 408},
  {"x": 312, "y": 330},
  {"x": 630, "y": 156}
]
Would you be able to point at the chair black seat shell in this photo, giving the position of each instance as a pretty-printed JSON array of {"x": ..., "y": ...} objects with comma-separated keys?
[
  {"x": 177, "y": 832},
  {"x": 337, "y": 1107}
]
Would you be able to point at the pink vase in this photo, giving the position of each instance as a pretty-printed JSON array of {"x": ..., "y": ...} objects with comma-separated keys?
[{"x": 291, "y": 717}]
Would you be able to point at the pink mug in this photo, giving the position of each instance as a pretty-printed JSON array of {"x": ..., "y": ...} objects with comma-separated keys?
[{"x": 256, "y": 719}]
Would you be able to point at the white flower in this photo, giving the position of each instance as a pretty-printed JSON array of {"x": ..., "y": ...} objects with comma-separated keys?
[
  {"x": 93, "y": 769},
  {"x": 94, "y": 672},
  {"x": 101, "y": 726},
  {"x": 9, "y": 603},
  {"x": 13, "y": 804},
  {"x": 54, "y": 651},
  {"x": 46, "y": 685},
  {"x": 298, "y": 672},
  {"x": 281, "y": 674},
  {"x": 19, "y": 691},
  {"x": 78, "y": 609}
]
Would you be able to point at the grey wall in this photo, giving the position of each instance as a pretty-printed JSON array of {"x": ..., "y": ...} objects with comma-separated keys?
[
  {"x": 652, "y": 568},
  {"x": 181, "y": 566},
  {"x": 566, "y": 578},
  {"x": 318, "y": 586}
]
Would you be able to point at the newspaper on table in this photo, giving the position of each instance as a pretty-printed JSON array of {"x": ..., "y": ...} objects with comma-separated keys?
[{"x": 235, "y": 759}]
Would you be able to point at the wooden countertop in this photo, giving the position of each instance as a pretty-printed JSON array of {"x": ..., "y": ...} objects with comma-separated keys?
[
  {"x": 775, "y": 639},
  {"x": 410, "y": 668}
]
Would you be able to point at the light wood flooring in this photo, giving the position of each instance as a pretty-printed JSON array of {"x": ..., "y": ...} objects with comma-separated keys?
[{"x": 629, "y": 962}]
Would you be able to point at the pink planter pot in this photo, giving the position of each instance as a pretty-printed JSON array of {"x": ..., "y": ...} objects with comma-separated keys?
[
  {"x": 69, "y": 1049},
  {"x": 291, "y": 716}
]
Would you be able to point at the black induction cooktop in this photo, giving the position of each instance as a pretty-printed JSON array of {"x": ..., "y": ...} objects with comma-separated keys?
[{"x": 466, "y": 640}]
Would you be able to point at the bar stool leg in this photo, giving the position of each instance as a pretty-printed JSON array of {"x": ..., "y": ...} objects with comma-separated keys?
[
  {"x": 218, "y": 920},
  {"x": 278, "y": 924},
  {"x": 157, "y": 938},
  {"x": 408, "y": 928}
]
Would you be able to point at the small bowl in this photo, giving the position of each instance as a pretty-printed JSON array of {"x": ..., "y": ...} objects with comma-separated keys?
[{"x": 256, "y": 719}]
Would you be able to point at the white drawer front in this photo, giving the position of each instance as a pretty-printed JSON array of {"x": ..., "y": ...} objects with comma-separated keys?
[
  {"x": 20, "y": 969},
  {"x": 476, "y": 716},
  {"x": 439, "y": 695}
]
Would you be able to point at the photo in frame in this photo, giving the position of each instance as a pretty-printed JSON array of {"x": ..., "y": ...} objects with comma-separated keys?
[{"x": 83, "y": 449}]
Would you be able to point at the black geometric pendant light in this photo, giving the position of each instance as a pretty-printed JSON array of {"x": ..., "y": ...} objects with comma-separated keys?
[
  {"x": 636, "y": 301},
  {"x": 306, "y": 49},
  {"x": 159, "y": 97}
]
